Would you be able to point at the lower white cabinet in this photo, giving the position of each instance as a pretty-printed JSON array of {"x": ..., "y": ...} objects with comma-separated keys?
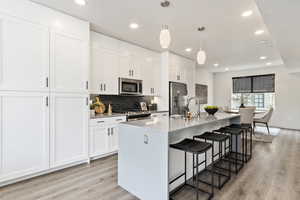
[
  {"x": 103, "y": 136},
  {"x": 68, "y": 129},
  {"x": 24, "y": 134}
]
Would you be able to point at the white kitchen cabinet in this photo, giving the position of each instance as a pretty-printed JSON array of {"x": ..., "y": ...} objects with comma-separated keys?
[
  {"x": 114, "y": 138},
  {"x": 177, "y": 71},
  {"x": 68, "y": 129},
  {"x": 24, "y": 55},
  {"x": 104, "y": 136},
  {"x": 99, "y": 141},
  {"x": 24, "y": 135},
  {"x": 151, "y": 75},
  {"x": 69, "y": 63},
  {"x": 130, "y": 61},
  {"x": 104, "y": 71}
]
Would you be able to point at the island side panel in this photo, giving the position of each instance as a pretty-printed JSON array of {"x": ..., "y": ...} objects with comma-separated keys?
[{"x": 143, "y": 162}]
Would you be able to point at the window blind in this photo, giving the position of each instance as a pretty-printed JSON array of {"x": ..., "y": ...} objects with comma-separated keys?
[
  {"x": 264, "y": 84},
  {"x": 242, "y": 85},
  {"x": 254, "y": 84}
]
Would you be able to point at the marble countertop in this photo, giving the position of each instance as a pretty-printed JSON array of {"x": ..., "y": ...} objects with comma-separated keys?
[{"x": 168, "y": 124}]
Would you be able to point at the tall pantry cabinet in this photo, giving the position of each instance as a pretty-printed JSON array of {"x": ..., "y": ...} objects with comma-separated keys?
[{"x": 43, "y": 91}]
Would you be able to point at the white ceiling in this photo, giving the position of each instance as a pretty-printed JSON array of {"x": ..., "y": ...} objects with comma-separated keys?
[
  {"x": 282, "y": 18},
  {"x": 228, "y": 39}
]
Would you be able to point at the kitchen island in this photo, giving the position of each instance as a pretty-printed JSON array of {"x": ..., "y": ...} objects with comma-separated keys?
[{"x": 146, "y": 164}]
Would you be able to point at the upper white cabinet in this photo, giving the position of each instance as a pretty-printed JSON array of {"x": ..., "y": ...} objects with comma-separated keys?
[
  {"x": 68, "y": 129},
  {"x": 69, "y": 63},
  {"x": 151, "y": 74},
  {"x": 177, "y": 71},
  {"x": 104, "y": 71},
  {"x": 130, "y": 61},
  {"x": 24, "y": 55},
  {"x": 24, "y": 136}
]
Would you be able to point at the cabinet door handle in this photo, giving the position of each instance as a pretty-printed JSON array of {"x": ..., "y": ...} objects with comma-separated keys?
[
  {"x": 112, "y": 131},
  {"x": 101, "y": 87},
  {"x": 108, "y": 132},
  {"x": 47, "y": 82},
  {"x": 130, "y": 72},
  {"x": 87, "y": 85},
  {"x": 47, "y": 101},
  {"x": 104, "y": 87},
  {"x": 87, "y": 101},
  {"x": 100, "y": 122}
]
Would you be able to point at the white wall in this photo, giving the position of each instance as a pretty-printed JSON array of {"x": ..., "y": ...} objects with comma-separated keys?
[{"x": 287, "y": 97}]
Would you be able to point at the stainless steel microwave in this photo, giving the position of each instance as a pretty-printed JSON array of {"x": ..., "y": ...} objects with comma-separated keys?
[{"x": 130, "y": 86}]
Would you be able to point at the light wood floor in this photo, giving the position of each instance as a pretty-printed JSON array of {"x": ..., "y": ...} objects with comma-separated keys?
[{"x": 272, "y": 174}]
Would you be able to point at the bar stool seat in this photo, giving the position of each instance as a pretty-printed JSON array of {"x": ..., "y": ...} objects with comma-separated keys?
[
  {"x": 192, "y": 146},
  {"x": 231, "y": 130},
  {"x": 212, "y": 137},
  {"x": 242, "y": 126}
]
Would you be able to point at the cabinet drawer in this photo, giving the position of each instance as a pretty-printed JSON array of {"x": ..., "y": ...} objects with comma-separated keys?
[{"x": 107, "y": 121}]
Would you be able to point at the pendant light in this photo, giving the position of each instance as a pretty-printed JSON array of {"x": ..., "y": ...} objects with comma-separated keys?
[
  {"x": 201, "y": 55},
  {"x": 165, "y": 37}
]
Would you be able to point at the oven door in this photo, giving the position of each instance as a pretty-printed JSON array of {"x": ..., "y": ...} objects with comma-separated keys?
[{"x": 130, "y": 86}]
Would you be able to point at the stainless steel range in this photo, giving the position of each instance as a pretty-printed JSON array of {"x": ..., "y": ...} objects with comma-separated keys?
[{"x": 137, "y": 115}]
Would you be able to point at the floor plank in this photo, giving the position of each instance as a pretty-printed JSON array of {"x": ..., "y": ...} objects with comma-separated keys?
[{"x": 272, "y": 174}]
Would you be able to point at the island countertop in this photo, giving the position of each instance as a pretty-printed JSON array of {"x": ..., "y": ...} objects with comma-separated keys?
[{"x": 169, "y": 124}]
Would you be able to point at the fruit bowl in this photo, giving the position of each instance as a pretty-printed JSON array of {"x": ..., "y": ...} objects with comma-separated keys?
[{"x": 211, "y": 110}]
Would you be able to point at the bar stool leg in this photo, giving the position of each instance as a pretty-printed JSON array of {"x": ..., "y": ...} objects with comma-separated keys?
[
  {"x": 212, "y": 173},
  {"x": 251, "y": 141},
  {"x": 246, "y": 153},
  {"x": 185, "y": 167},
  {"x": 220, "y": 157},
  {"x": 197, "y": 175},
  {"x": 193, "y": 167},
  {"x": 236, "y": 150}
]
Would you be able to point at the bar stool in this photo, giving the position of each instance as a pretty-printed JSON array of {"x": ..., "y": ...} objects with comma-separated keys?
[
  {"x": 196, "y": 148},
  {"x": 238, "y": 163},
  {"x": 225, "y": 171},
  {"x": 247, "y": 128}
]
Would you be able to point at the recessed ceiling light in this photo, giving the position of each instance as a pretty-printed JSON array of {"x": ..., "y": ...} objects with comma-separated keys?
[
  {"x": 216, "y": 64},
  {"x": 259, "y": 32},
  {"x": 134, "y": 26},
  {"x": 269, "y": 63},
  {"x": 188, "y": 49},
  {"x": 263, "y": 57},
  {"x": 247, "y": 13},
  {"x": 80, "y": 2},
  {"x": 226, "y": 69}
]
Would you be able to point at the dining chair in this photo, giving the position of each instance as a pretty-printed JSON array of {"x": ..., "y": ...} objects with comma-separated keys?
[{"x": 265, "y": 119}]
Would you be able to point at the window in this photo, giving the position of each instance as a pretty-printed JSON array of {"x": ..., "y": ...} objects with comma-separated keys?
[
  {"x": 259, "y": 100},
  {"x": 258, "y": 91},
  {"x": 262, "y": 101}
]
